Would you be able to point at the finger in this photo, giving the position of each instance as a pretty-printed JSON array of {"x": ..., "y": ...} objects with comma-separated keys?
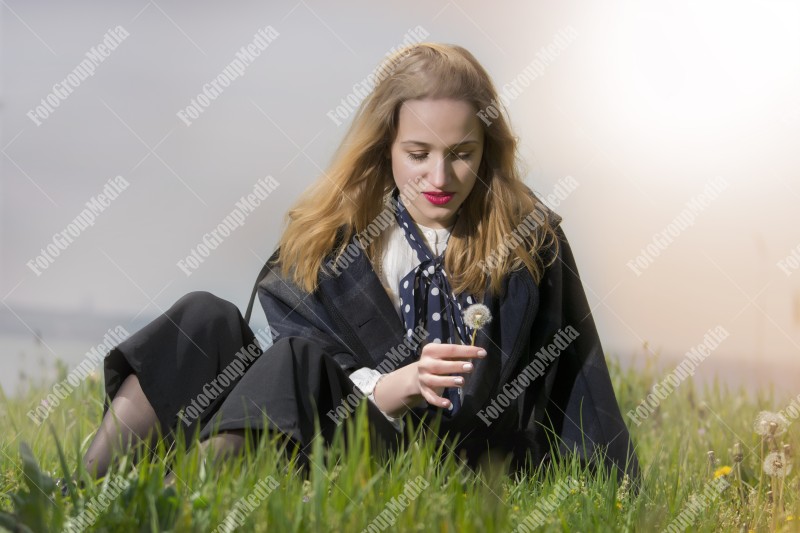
[
  {"x": 434, "y": 399},
  {"x": 452, "y": 351},
  {"x": 433, "y": 381},
  {"x": 443, "y": 368}
]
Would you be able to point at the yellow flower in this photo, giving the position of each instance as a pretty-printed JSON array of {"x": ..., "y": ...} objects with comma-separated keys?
[
  {"x": 619, "y": 505},
  {"x": 722, "y": 471}
]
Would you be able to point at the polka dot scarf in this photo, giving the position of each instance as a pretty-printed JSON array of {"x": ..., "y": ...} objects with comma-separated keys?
[{"x": 426, "y": 297}]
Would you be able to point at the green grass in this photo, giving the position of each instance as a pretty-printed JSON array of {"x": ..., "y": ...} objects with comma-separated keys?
[{"x": 346, "y": 489}]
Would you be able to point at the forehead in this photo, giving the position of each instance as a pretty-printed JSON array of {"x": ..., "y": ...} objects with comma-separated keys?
[{"x": 438, "y": 122}]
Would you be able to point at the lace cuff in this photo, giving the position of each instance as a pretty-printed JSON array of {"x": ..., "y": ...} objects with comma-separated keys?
[{"x": 366, "y": 379}]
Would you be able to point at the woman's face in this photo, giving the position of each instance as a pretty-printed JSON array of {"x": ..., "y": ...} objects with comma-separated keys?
[{"x": 441, "y": 143}]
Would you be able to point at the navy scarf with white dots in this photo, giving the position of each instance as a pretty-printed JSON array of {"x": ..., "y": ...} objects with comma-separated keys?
[{"x": 426, "y": 297}]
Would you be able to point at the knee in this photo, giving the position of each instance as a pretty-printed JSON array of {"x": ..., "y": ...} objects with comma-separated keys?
[
  {"x": 199, "y": 298},
  {"x": 205, "y": 305}
]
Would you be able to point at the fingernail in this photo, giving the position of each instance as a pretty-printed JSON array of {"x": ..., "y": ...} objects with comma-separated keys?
[
  {"x": 481, "y": 352},
  {"x": 467, "y": 366},
  {"x": 458, "y": 380}
]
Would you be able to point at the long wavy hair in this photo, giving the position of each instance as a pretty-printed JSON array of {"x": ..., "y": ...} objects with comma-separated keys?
[{"x": 352, "y": 193}]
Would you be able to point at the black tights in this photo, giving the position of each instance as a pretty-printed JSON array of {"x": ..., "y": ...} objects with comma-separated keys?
[{"x": 131, "y": 419}]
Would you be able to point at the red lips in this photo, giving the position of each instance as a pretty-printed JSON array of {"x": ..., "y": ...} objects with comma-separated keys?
[{"x": 438, "y": 198}]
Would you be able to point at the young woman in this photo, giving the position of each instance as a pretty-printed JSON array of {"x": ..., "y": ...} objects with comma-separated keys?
[{"x": 422, "y": 214}]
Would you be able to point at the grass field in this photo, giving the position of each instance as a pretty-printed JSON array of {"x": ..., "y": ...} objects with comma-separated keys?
[{"x": 423, "y": 488}]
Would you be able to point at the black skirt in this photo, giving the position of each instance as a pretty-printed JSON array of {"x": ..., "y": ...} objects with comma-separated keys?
[{"x": 200, "y": 367}]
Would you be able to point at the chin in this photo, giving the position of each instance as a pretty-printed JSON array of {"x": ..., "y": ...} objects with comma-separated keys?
[{"x": 443, "y": 216}]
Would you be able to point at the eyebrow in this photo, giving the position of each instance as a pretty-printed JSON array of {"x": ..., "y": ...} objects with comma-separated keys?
[{"x": 426, "y": 145}]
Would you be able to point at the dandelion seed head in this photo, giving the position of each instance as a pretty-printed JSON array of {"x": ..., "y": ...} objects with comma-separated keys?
[
  {"x": 769, "y": 423},
  {"x": 712, "y": 458},
  {"x": 738, "y": 455},
  {"x": 777, "y": 465},
  {"x": 477, "y": 315}
]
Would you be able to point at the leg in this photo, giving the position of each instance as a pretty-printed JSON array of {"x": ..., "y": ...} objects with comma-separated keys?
[
  {"x": 129, "y": 419},
  {"x": 220, "y": 446},
  {"x": 230, "y": 443},
  {"x": 151, "y": 376}
]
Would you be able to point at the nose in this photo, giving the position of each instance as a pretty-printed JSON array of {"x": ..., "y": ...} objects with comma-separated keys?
[{"x": 439, "y": 175}]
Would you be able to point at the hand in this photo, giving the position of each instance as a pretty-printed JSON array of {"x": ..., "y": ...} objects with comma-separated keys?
[{"x": 436, "y": 366}]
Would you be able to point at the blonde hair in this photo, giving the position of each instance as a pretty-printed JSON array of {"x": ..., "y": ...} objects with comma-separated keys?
[{"x": 352, "y": 193}]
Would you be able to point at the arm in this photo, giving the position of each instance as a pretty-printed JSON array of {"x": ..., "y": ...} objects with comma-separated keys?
[
  {"x": 423, "y": 381},
  {"x": 291, "y": 312},
  {"x": 398, "y": 392},
  {"x": 366, "y": 379}
]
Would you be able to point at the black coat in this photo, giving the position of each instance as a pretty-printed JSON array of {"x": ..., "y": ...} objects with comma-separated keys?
[{"x": 353, "y": 317}]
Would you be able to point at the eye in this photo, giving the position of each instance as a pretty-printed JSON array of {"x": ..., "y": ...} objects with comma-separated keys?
[
  {"x": 417, "y": 157},
  {"x": 461, "y": 155}
]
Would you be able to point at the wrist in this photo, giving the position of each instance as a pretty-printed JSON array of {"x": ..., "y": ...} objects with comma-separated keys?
[{"x": 378, "y": 396}]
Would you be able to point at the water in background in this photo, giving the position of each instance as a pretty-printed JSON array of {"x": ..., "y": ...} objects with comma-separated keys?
[{"x": 27, "y": 362}]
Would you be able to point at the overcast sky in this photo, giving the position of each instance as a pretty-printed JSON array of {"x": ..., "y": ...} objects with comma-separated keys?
[{"x": 644, "y": 107}]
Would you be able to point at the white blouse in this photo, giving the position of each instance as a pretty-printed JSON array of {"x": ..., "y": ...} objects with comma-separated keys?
[{"x": 398, "y": 260}]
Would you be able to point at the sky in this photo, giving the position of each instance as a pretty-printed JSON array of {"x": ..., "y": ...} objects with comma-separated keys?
[{"x": 677, "y": 124}]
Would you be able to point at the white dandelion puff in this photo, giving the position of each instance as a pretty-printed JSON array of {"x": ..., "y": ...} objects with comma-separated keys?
[
  {"x": 776, "y": 464},
  {"x": 477, "y": 315},
  {"x": 765, "y": 419}
]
